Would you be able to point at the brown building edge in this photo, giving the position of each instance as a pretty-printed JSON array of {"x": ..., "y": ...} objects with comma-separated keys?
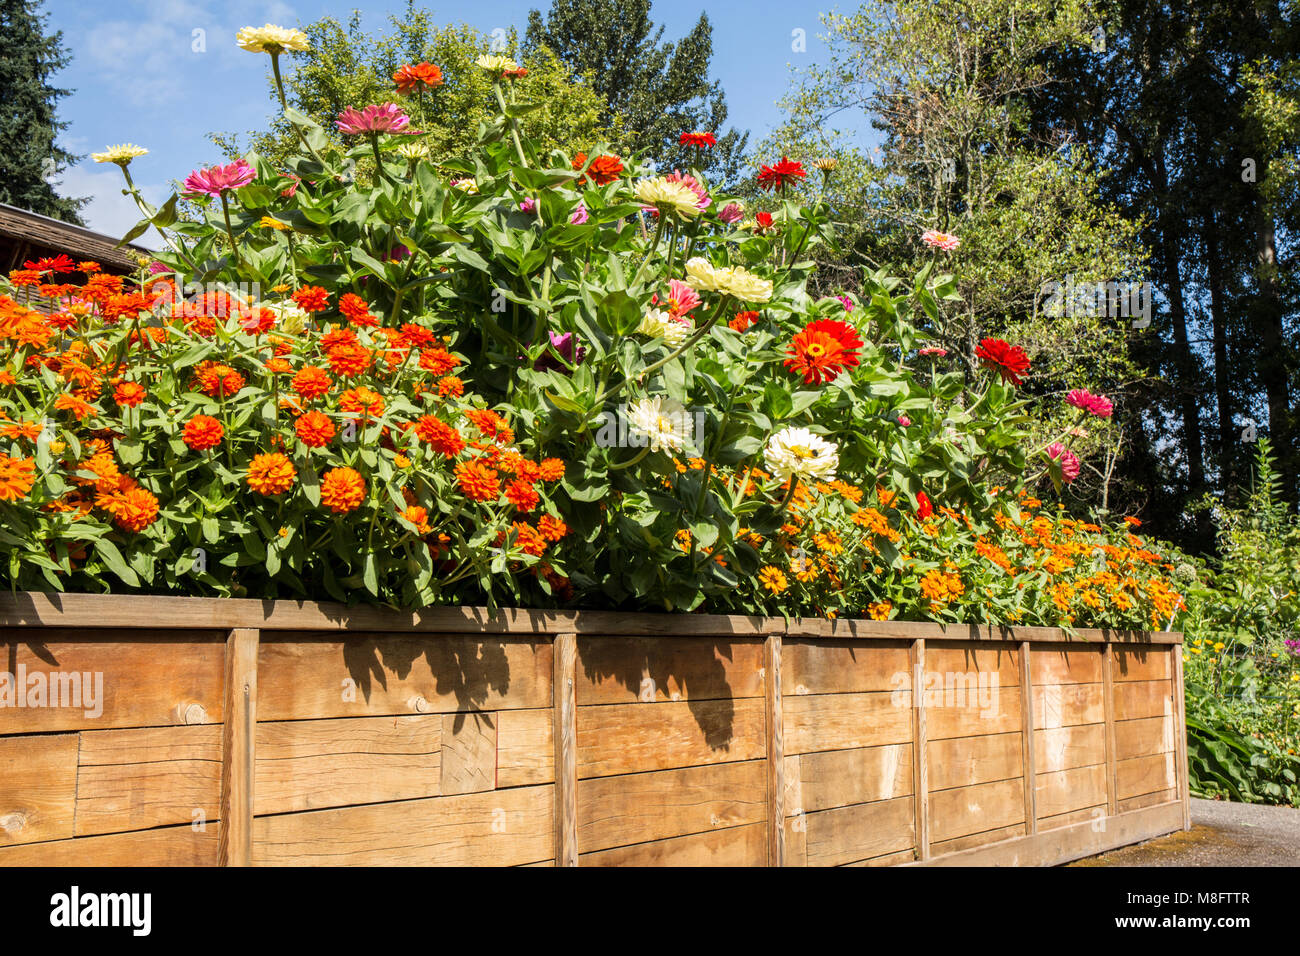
[{"x": 243, "y": 620}]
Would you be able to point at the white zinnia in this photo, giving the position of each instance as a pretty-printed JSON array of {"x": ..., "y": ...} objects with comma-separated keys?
[
  {"x": 730, "y": 280},
  {"x": 664, "y": 421},
  {"x": 496, "y": 64},
  {"x": 798, "y": 452},
  {"x": 665, "y": 194},
  {"x": 659, "y": 324},
  {"x": 270, "y": 39},
  {"x": 122, "y": 154},
  {"x": 292, "y": 319}
]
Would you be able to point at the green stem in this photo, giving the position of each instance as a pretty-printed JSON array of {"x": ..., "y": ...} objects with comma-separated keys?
[
  {"x": 628, "y": 464},
  {"x": 234, "y": 246},
  {"x": 654, "y": 244}
]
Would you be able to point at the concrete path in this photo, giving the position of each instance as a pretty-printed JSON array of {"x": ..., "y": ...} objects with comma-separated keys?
[{"x": 1222, "y": 834}]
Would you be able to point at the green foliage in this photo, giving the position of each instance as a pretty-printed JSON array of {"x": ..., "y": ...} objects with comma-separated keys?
[
  {"x": 345, "y": 66},
  {"x": 29, "y": 156},
  {"x": 947, "y": 85},
  {"x": 655, "y": 91}
]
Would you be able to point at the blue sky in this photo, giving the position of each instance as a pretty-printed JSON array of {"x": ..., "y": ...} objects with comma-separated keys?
[{"x": 142, "y": 74}]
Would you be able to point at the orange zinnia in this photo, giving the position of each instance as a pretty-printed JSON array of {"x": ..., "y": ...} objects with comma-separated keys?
[
  {"x": 312, "y": 298},
  {"x": 271, "y": 474},
  {"x": 17, "y": 475},
  {"x": 79, "y": 407},
  {"x": 311, "y": 382},
  {"x": 362, "y": 401},
  {"x": 823, "y": 349},
  {"x": 135, "y": 509},
  {"x": 437, "y": 360},
  {"x": 552, "y": 529},
  {"x": 342, "y": 490},
  {"x": 349, "y": 360},
  {"x": 202, "y": 432},
  {"x": 129, "y": 394},
  {"x": 477, "y": 481},
  {"x": 442, "y": 438},
  {"x": 314, "y": 429},
  {"x": 411, "y": 76},
  {"x": 522, "y": 495}
]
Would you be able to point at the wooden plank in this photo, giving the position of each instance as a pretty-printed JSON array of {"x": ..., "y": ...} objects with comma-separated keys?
[
  {"x": 637, "y": 808},
  {"x": 1065, "y": 705},
  {"x": 1142, "y": 775},
  {"x": 1064, "y": 790},
  {"x": 238, "y": 748},
  {"x": 963, "y": 761},
  {"x": 495, "y": 828},
  {"x": 985, "y": 806},
  {"x": 147, "y": 679},
  {"x": 369, "y": 675},
  {"x": 772, "y": 713},
  {"x": 1142, "y": 663},
  {"x": 1149, "y": 799},
  {"x": 168, "y": 846},
  {"x": 1028, "y": 748},
  {"x": 316, "y": 764},
  {"x": 469, "y": 753},
  {"x": 1096, "y": 815},
  {"x": 919, "y": 733},
  {"x": 1108, "y": 710},
  {"x": 957, "y": 844},
  {"x": 1064, "y": 748},
  {"x": 1066, "y": 664},
  {"x": 846, "y": 721},
  {"x": 564, "y": 736},
  {"x": 733, "y": 846},
  {"x": 28, "y": 609},
  {"x": 1180, "y": 736},
  {"x": 964, "y": 664},
  {"x": 630, "y": 738},
  {"x": 525, "y": 747},
  {"x": 625, "y": 670},
  {"x": 889, "y": 859},
  {"x": 1054, "y": 847},
  {"x": 1144, "y": 737},
  {"x": 838, "y": 778},
  {"x": 975, "y": 713},
  {"x": 847, "y": 834},
  {"x": 157, "y": 776},
  {"x": 38, "y": 788},
  {"x": 1150, "y": 698},
  {"x": 845, "y": 667}
]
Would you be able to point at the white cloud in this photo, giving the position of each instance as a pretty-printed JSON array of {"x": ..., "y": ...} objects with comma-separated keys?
[{"x": 109, "y": 211}]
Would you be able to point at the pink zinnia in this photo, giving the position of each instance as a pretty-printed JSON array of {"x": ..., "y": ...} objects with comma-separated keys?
[
  {"x": 846, "y": 302},
  {"x": 219, "y": 179},
  {"x": 940, "y": 240},
  {"x": 731, "y": 213},
  {"x": 1068, "y": 459},
  {"x": 681, "y": 298},
  {"x": 579, "y": 215},
  {"x": 1098, "y": 405},
  {"x": 904, "y": 421},
  {"x": 933, "y": 350},
  {"x": 528, "y": 205},
  {"x": 384, "y": 118},
  {"x": 694, "y": 185}
]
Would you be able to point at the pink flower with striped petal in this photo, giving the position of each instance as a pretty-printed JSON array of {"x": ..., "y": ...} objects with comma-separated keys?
[
  {"x": 219, "y": 179},
  {"x": 383, "y": 118}
]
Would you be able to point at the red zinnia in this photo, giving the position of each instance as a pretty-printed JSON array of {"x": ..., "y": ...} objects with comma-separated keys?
[
  {"x": 60, "y": 263},
  {"x": 1009, "y": 361},
  {"x": 779, "y": 175},
  {"x": 824, "y": 349},
  {"x": 605, "y": 169},
  {"x": 698, "y": 139},
  {"x": 923, "y": 506}
]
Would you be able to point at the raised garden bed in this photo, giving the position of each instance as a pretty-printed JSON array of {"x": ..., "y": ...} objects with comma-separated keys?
[{"x": 237, "y": 732}]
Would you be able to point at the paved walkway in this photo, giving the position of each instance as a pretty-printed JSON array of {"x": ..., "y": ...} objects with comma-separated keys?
[{"x": 1222, "y": 834}]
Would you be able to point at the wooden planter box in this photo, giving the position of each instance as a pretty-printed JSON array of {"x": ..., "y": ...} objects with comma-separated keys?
[{"x": 239, "y": 732}]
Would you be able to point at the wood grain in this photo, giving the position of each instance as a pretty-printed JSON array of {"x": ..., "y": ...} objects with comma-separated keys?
[
  {"x": 469, "y": 753},
  {"x": 775, "y": 755},
  {"x": 1144, "y": 737},
  {"x": 1064, "y": 664},
  {"x": 1065, "y": 705},
  {"x": 1142, "y": 775},
  {"x": 1064, "y": 790},
  {"x": 238, "y": 749},
  {"x": 1064, "y": 748},
  {"x": 962, "y": 761},
  {"x": 564, "y": 737},
  {"x": 919, "y": 728},
  {"x": 1028, "y": 749},
  {"x": 846, "y": 721},
  {"x": 38, "y": 788},
  {"x": 732, "y": 846},
  {"x": 632, "y": 738},
  {"x": 985, "y": 806},
  {"x": 168, "y": 846},
  {"x": 525, "y": 747},
  {"x": 844, "y": 667},
  {"x": 625, "y": 670},
  {"x": 1145, "y": 663},
  {"x": 1150, "y": 698},
  {"x": 858, "y": 832},
  {"x": 838, "y": 778}
]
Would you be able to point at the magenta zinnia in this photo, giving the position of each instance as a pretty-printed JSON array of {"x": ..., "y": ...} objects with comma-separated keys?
[
  {"x": 1098, "y": 405},
  {"x": 219, "y": 179},
  {"x": 1068, "y": 460},
  {"x": 384, "y": 118}
]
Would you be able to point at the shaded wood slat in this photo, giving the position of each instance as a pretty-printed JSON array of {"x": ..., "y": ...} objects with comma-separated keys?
[
  {"x": 38, "y": 787},
  {"x": 238, "y": 743},
  {"x": 773, "y": 720},
  {"x": 564, "y": 737}
]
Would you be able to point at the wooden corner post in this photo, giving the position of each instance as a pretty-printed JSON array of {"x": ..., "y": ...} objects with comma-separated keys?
[
  {"x": 774, "y": 722},
  {"x": 920, "y": 774},
  {"x": 1108, "y": 700},
  {"x": 238, "y": 739},
  {"x": 1027, "y": 743},
  {"x": 1180, "y": 729},
  {"x": 564, "y": 672}
]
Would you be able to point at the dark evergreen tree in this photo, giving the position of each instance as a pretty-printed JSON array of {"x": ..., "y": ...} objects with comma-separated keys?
[
  {"x": 29, "y": 155},
  {"x": 655, "y": 90}
]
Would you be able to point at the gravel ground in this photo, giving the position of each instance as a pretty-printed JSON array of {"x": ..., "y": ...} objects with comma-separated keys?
[{"x": 1222, "y": 834}]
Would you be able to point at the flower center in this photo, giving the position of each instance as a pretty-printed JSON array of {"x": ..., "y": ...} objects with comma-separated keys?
[{"x": 802, "y": 452}]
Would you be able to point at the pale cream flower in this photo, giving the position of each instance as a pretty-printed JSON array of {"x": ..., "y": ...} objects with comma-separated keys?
[
  {"x": 729, "y": 280},
  {"x": 465, "y": 185},
  {"x": 122, "y": 154},
  {"x": 291, "y": 318},
  {"x": 495, "y": 64},
  {"x": 270, "y": 39},
  {"x": 659, "y": 324},
  {"x": 666, "y": 195},
  {"x": 666, "y": 422},
  {"x": 412, "y": 150},
  {"x": 798, "y": 452}
]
